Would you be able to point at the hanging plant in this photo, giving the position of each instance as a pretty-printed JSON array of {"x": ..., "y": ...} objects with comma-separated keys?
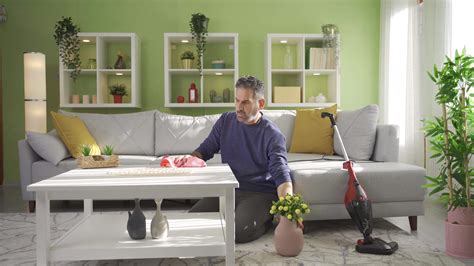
[
  {"x": 199, "y": 24},
  {"x": 65, "y": 34}
]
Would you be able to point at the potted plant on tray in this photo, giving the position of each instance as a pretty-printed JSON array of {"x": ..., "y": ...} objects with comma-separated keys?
[
  {"x": 187, "y": 59},
  {"x": 199, "y": 24},
  {"x": 67, "y": 40},
  {"x": 452, "y": 142},
  {"x": 118, "y": 91},
  {"x": 288, "y": 237}
]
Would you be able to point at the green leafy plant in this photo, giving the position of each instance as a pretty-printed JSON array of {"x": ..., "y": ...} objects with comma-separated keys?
[
  {"x": 198, "y": 25},
  {"x": 118, "y": 89},
  {"x": 67, "y": 40},
  {"x": 108, "y": 150},
  {"x": 187, "y": 55},
  {"x": 451, "y": 135},
  {"x": 291, "y": 206},
  {"x": 86, "y": 150}
]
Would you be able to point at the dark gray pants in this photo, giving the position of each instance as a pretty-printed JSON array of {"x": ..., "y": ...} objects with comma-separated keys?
[{"x": 252, "y": 213}]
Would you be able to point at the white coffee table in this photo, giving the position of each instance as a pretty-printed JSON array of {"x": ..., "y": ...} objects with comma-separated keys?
[{"x": 104, "y": 236}]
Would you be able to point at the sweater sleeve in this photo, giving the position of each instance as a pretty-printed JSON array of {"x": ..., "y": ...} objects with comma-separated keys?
[
  {"x": 277, "y": 162},
  {"x": 211, "y": 144}
]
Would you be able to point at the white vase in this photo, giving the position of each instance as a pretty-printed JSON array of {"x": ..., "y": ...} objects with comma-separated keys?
[
  {"x": 320, "y": 98},
  {"x": 159, "y": 226}
]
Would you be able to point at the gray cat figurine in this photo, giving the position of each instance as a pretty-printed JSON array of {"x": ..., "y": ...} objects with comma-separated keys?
[{"x": 136, "y": 225}]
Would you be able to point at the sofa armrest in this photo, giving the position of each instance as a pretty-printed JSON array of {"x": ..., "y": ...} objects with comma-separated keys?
[
  {"x": 386, "y": 144},
  {"x": 27, "y": 157}
]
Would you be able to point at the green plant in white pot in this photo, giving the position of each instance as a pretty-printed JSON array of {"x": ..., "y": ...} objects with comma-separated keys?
[
  {"x": 187, "y": 59},
  {"x": 452, "y": 142}
]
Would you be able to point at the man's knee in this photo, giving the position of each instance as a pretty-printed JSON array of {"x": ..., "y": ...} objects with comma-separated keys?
[{"x": 246, "y": 231}]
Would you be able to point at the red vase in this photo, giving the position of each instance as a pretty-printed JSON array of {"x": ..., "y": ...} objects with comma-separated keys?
[
  {"x": 118, "y": 98},
  {"x": 193, "y": 93},
  {"x": 288, "y": 238},
  {"x": 459, "y": 230}
]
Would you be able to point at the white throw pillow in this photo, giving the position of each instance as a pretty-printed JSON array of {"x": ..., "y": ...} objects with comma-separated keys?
[
  {"x": 357, "y": 129},
  {"x": 284, "y": 120},
  {"x": 130, "y": 133},
  {"x": 49, "y": 146},
  {"x": 180, "y": 134}
]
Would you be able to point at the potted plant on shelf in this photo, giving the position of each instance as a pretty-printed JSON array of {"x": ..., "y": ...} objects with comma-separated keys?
[
  {"x": 67, "y": 40},
  {"x": 187, "y": 59},
  {"x": 288, "y": 237},
  {"x": 452, "y": 142},
  {"x": 118, "y": 91},
  {"x": 199, "y": 24}
]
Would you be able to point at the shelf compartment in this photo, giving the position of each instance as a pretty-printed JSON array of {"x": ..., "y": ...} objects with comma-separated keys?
[
  {"x": 104, "y": 236},
  {"x": 181, "y": 82},
  {"x": 218, "y": 83},
  {"x": 219, "y": 50},
  {"x": 106, "y": 80},
  {"x": 177, "y": 49},
  {"x": 85, "y": 84},
  {"x": 108, "y": 49}
]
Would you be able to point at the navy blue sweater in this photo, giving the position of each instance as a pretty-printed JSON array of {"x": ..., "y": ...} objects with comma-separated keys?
[{"x": 255, "y": 153}]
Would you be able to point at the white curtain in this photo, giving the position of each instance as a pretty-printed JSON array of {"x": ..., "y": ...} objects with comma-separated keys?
[{"x": 400, "y": 77}]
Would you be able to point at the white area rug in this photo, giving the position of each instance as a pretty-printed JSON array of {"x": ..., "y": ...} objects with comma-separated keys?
[{"x": 326, "y": 243}]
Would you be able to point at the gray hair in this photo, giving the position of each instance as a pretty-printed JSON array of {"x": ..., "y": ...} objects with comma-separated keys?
[{"x": 251, "y": 83}]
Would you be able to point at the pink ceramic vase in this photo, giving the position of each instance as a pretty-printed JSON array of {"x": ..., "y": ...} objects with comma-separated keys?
[
  {"x": 288, "y": 238},
  {"x": 459, "y": 229}
]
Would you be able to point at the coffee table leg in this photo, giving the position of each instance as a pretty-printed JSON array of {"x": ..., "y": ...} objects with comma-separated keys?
[
  {"x": 230, "y": 226},
  {"x": 88, "y": 207},
  {"x": 42, "y": 228}
]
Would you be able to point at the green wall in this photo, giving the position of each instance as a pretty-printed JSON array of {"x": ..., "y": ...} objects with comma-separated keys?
[{"x": 31, "y": 23}]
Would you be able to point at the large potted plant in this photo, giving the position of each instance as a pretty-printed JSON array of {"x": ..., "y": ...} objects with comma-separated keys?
[
  {"x": 452, "y": 142},
  {"x": 65, "y": 34},
  {"x": 199, "y": 24}
]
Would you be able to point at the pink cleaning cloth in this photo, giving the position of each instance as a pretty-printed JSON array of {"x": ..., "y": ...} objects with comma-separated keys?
[{"x": 174, "y": 161}]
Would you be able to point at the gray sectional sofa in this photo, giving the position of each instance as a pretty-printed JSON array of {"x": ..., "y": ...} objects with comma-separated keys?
[{"x": 142, "y": 138}]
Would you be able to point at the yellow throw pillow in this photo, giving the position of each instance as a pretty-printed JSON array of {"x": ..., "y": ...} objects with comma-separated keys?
[
  {"x": 74, "y": 134},
  {"x": 311, "y": 133}
]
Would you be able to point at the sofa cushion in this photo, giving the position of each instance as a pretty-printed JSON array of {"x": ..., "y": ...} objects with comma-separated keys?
[
  {"x": 284, "y": 120},
  {"x": 312, "y": 133},
  {"x": 180, "y": 134},
  {"x": 324, "y": 182},
  {"x": 358, "y": 129},
  {"x": 49, "y": 146},
  {"x": 132, "y": 133},
  {"x": 74, "y": 134}
]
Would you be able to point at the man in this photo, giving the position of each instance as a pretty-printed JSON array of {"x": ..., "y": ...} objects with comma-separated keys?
[{"x": 255, "y": 150}]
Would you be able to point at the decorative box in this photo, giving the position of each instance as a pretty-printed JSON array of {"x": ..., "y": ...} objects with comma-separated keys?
[
  {"x": 286, "y": 94},
  {"x": 218, "y": 64}
]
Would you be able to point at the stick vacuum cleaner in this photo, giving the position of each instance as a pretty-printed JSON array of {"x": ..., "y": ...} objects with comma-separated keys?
[{"x": 360, "y": 208}]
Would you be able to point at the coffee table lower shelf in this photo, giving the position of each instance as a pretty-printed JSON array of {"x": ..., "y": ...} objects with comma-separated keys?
[{"x": 104, "y": 236}]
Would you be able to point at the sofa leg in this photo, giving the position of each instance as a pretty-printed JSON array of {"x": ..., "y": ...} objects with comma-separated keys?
[
  {"x": 413, "y": 222},
  {"x": 31, "y": 206}
]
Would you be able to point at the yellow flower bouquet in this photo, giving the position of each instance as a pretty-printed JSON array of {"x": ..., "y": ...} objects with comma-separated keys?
[{"x": 291, "y": 206}]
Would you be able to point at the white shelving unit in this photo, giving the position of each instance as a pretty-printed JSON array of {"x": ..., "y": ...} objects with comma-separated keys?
[
  {"x": 96, "y": 79},
  {"x": 311, "y": 81},
  {"x": 223, "y": 46}
]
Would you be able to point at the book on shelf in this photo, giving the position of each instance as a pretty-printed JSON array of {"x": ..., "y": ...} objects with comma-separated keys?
[{"x": 322, "y": 58}]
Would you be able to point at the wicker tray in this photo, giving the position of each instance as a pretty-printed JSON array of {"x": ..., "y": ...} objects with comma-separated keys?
[{"x": 98, "y": 161}]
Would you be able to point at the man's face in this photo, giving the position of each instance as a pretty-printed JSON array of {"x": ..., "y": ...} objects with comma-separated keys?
[{"x": 246, "y": 106}]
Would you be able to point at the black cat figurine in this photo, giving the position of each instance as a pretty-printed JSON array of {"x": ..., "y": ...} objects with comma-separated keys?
[{"x": 136, "y": 225}]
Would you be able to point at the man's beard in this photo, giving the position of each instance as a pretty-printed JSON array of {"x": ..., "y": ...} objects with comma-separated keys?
[{"x": 246, "y": 118}]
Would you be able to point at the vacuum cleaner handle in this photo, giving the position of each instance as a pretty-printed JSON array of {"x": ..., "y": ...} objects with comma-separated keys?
[
  {"x": 333, "y": 124},
  {"x": 331, "y": 117}
]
